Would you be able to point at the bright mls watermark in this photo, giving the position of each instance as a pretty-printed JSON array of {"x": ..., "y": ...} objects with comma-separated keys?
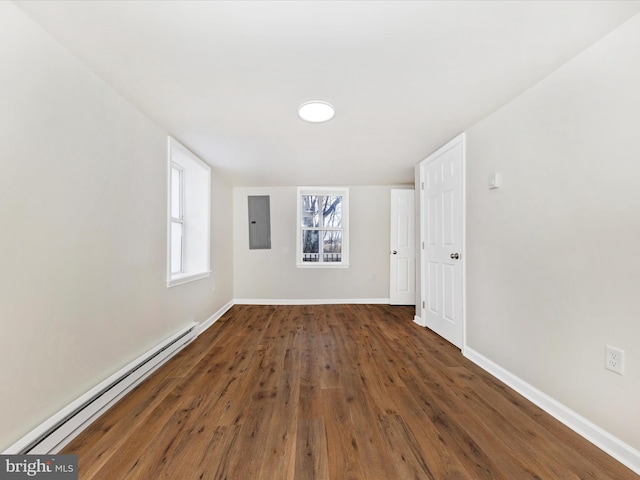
[{"x": 49, "y": 467}]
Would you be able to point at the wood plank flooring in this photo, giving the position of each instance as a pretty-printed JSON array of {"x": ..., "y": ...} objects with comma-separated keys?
[{"x": 331, "y": 392}]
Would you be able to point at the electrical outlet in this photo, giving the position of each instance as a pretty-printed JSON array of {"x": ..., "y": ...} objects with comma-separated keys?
[{"x": 614, "y": 359}]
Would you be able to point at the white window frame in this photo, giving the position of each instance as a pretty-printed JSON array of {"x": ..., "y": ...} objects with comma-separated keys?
[
  {"x": 323, "y": 191},
  {"x": 195, "y": 214}
]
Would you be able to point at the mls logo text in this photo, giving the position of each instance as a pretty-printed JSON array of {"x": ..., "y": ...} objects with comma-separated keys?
[{"x": 50, "y": 467}]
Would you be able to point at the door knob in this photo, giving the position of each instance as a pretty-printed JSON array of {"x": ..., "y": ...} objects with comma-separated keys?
[
  {"x": 455, "y": 256},
  {"x": 394, "y": 252}
]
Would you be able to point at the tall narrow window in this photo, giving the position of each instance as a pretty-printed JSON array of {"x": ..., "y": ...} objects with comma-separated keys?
[
  {"x": 323, "y": 227},
  {"x": 189, "y": 185}
]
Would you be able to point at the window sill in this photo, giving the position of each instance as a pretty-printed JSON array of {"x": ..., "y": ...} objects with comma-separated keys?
[
  {"x": 186, "y": 278},
  {"x": 322, "y": 265}
]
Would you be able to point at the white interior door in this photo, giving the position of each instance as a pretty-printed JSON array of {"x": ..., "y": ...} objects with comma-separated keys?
[
  {"x": 442, "y": 237},
  {"x": 402, "y": 288}
]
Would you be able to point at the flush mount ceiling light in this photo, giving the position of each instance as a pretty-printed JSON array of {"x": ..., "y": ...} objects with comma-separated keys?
[{"x": 316, "y": 111}]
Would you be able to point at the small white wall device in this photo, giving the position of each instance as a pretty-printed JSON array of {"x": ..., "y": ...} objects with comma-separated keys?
[{"x": 495, "y": 180}]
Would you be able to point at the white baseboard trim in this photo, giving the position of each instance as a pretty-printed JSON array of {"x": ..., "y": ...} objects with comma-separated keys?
[
  {"x": 311, "y": 301},
  {"x": 418, "y": 320},
  {"x": 214, "y": 318},
  {"x": 624, "y": 453}
]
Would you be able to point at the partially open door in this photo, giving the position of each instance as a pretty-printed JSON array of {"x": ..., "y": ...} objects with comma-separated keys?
[{"x": 442, "y": 237}]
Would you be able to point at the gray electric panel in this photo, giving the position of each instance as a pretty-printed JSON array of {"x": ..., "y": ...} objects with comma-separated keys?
[{"x": 259, "y": 222}]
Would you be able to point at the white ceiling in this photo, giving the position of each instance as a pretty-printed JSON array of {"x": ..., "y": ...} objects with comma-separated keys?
[{"x": 227, "y": 77}]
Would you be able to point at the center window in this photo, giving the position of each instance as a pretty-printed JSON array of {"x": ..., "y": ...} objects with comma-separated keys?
[{"x": 323, "y": 227}]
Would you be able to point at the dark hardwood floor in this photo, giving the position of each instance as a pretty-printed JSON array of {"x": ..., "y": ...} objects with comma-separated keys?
[{"x": 334, "y": 392}]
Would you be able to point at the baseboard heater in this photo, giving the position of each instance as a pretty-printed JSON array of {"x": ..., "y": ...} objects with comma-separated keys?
[{"x": 56, "y": 432}]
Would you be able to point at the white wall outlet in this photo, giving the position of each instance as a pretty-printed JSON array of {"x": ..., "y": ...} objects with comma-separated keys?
[{"x": 614, "y": 359}]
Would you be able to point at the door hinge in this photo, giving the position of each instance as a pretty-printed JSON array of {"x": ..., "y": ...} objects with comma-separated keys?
[
  {"x": 422, "y": 186},
  {"x": 423, "y": 245},
  {"x": 423, "y": 304}
]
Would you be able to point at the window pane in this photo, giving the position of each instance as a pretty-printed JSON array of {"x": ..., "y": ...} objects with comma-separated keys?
[
  {"x": 176, "y": 194},
  {"x": 176, "y": 247},
  {"x": 332, "y": 211},
  {"x": 309, "y": 211},
  {"x": 310, "y": 245},
  {"x": 332, "y": 246}
]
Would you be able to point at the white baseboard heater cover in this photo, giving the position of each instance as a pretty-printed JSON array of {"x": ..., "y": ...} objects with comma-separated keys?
[{"x": 56, "y": 432}]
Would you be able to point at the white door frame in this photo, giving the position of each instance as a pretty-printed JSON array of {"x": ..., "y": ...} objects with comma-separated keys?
[{"x": 460, "y": 139}]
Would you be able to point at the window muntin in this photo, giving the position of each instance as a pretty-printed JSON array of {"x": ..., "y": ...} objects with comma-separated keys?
[{"x": 322, "y": 227}]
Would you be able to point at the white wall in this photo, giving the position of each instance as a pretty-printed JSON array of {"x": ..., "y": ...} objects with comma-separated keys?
[
  {"x": 553, "y": 264},
  {"x": 272, "y": 274},
  {"x": 83, "y": 231}
]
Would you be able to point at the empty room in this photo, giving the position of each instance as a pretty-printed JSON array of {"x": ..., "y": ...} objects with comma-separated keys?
[{"x": 295, "y": 240}]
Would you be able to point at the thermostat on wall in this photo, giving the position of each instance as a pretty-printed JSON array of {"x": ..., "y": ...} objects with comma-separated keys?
[{"x": 495, "y": 180}]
